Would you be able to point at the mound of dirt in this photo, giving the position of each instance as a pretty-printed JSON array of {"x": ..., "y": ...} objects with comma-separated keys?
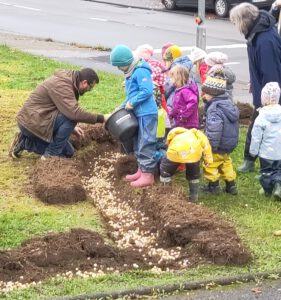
[
  {"x": 125, "y": 165},
  {"x": 92, "y": 133},
  {"x": 245, "y": 110},
  {"x": 180, "y": 222},
  {"x": 57, "y": 180},
  {"x": 56, "y": 253}
]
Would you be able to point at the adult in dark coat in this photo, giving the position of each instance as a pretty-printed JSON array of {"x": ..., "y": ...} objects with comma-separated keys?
[{"x": 264, "y": 54}]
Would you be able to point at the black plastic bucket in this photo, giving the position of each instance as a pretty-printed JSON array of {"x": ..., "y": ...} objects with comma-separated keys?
[
  {"x": 122, "y": 124},
  {"x": 127, "y": 146}
]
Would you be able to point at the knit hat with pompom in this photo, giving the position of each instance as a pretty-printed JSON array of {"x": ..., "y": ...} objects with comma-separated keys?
[{"x": 215, "y": 84}]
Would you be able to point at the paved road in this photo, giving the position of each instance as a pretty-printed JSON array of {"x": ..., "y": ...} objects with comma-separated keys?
[
  {"x": 94, "y": 23},
  {"x": 262, "y": 291}
]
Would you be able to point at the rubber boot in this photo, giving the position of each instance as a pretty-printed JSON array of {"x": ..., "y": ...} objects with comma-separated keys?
[
  {"x": 165, "y": 180},
  {"x": 134, "y": 176},
  {"x": 247, "y": 166},
  {"x": 276, "y": 193},
  {"x": 231, "y": 188},
  {"x": 212, "y": 187},
  {"x": 193, "y": 190},
  {"x": 146, "y": 179}
]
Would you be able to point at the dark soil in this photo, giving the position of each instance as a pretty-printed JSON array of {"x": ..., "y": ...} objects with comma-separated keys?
[
  {"x": 196, "y": 233},
  {"x": 92, "y": 133},
  {"x": 57, "y": 180},
  {"x": 55, "y": 253},
  {"x": 181, "y": 223},
  {"x": 245, "y": 110}
]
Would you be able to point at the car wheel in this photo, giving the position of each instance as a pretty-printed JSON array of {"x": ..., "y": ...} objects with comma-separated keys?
[
  {"x": 221, "y": 8},
  {"x": 169, "y": 4}
]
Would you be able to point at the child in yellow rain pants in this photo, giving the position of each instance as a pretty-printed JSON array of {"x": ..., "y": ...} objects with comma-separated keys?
[
  {"x": 186, "y": 146},
  {"x": 222, "y": 130}
]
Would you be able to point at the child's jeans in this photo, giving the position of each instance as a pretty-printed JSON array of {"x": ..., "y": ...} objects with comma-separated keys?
[
  {"x": 168, "y": 169},
  {"x": 220, "y": 168},
  {"x": 145, "y": 143},
  {"x": 270, "y": 174}
]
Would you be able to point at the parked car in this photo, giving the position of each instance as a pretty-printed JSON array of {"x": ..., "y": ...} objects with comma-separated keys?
[{"x": 221, "y": 7}]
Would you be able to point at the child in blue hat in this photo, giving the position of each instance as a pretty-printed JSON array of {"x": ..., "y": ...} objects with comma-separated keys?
[{"x": 140, "y": 99}]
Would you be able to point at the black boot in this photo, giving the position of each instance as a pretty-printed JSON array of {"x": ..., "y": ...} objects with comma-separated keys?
[
  {"x": 212, "y": 187},
  {"x": 276, "y": 193},
  {"x": 231, "y": 188},
  {"x": 193, "y": 190}
]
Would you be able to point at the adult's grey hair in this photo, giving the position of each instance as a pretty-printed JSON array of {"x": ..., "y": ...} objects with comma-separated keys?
[{"x": 243, "y": 16}]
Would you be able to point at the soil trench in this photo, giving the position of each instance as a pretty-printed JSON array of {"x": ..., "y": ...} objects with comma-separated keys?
[{"x": 153, "y": 229}]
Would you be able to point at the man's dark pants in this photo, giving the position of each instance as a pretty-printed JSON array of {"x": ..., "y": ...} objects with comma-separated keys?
[
  {"x": 60, "y": 145},
  {"x": 247, "y": 155}
]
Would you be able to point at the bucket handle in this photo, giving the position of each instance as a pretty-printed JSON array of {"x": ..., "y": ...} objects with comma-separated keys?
[{"x": 123, "y": 119}]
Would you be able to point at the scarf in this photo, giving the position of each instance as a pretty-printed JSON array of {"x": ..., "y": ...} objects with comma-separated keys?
[{"x": 132, "y": 67}]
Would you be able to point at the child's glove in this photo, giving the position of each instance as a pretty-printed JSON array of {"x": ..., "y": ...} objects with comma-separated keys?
[{"x": 129, "y": 106}]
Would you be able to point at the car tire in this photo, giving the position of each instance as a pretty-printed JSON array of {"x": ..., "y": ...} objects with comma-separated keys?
[
  {"x": 169, "y": 4},
  {"x": 221, "y": 8}
]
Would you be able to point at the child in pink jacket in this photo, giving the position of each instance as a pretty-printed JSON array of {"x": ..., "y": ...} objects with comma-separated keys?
[{"x": 184, "y": 112}]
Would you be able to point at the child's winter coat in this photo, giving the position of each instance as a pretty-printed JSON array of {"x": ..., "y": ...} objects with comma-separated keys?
[
  {"x": 184, "y": 112},
  {"x": 188, "y": 146},
  {"x": 222, "y": 124},
  {"x": 266, "y": 133}
]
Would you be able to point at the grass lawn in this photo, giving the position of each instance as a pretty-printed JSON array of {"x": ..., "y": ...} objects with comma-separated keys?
[{"x": 24, "y": 217}]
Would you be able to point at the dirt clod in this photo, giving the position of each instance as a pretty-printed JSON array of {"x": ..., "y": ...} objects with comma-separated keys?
[{"x": 56, "y": 180}]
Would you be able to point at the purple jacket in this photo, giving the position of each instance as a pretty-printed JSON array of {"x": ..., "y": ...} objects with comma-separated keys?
[{"x": 184, "y": 112}]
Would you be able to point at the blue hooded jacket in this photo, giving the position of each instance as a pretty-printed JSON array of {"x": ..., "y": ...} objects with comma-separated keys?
[
  {"x": 222, "y": 124},
  {"x": 264, "y": 53},
  {"x": 139, "y": 90}
]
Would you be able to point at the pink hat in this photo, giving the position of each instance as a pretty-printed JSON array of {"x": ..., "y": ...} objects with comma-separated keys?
[{"x": 165, "y": 47}]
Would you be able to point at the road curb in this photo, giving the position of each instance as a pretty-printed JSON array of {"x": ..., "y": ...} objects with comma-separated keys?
[
  {"x": 144, "y": 8},
  {"x": 188, "y": 286}
]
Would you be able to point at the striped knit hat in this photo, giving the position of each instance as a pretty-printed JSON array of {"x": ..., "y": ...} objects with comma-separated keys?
[{"x": 215, "y": 83}]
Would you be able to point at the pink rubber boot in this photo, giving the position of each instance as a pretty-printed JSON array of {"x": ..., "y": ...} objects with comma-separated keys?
[
  {"x": 146, "y": 179},
  {"x": 134, "y": 176}
]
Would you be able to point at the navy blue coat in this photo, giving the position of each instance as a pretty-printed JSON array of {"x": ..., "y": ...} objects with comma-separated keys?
[
  {"x": 222, "y": 124},
  {"x": 264, "y": 53}
]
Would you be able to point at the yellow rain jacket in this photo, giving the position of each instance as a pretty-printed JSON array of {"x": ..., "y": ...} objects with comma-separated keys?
[{"x": 188, "y": 146}]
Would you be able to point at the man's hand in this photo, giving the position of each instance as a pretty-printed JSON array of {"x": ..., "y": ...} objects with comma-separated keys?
[
  {"x": 106, "y": 117},
  {"x": 129, "y": 106},
  {"x": 78, "y": 132}
]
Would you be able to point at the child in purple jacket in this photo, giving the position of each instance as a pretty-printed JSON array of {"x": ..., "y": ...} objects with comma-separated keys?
[{"x": 184, "y": 112}]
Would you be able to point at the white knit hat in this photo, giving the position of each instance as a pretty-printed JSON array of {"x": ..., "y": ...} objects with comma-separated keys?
[
  {"x": 216, "y": 58},
  {"x": 270, "y": 93},
  {"x": 144, "y": 51},
  {"x": 197, "y": 54}
]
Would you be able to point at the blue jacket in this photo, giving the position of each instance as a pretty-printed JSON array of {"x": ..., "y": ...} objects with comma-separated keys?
[
  {"x": 264, "y": 53},
  {"x": 222, "y": 124},
  {"x": 266, "y": 133},
  {"x": 139, "y": 90}
]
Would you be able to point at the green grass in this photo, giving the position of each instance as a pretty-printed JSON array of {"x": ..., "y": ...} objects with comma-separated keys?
[{"x": 23, "y": 217}]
